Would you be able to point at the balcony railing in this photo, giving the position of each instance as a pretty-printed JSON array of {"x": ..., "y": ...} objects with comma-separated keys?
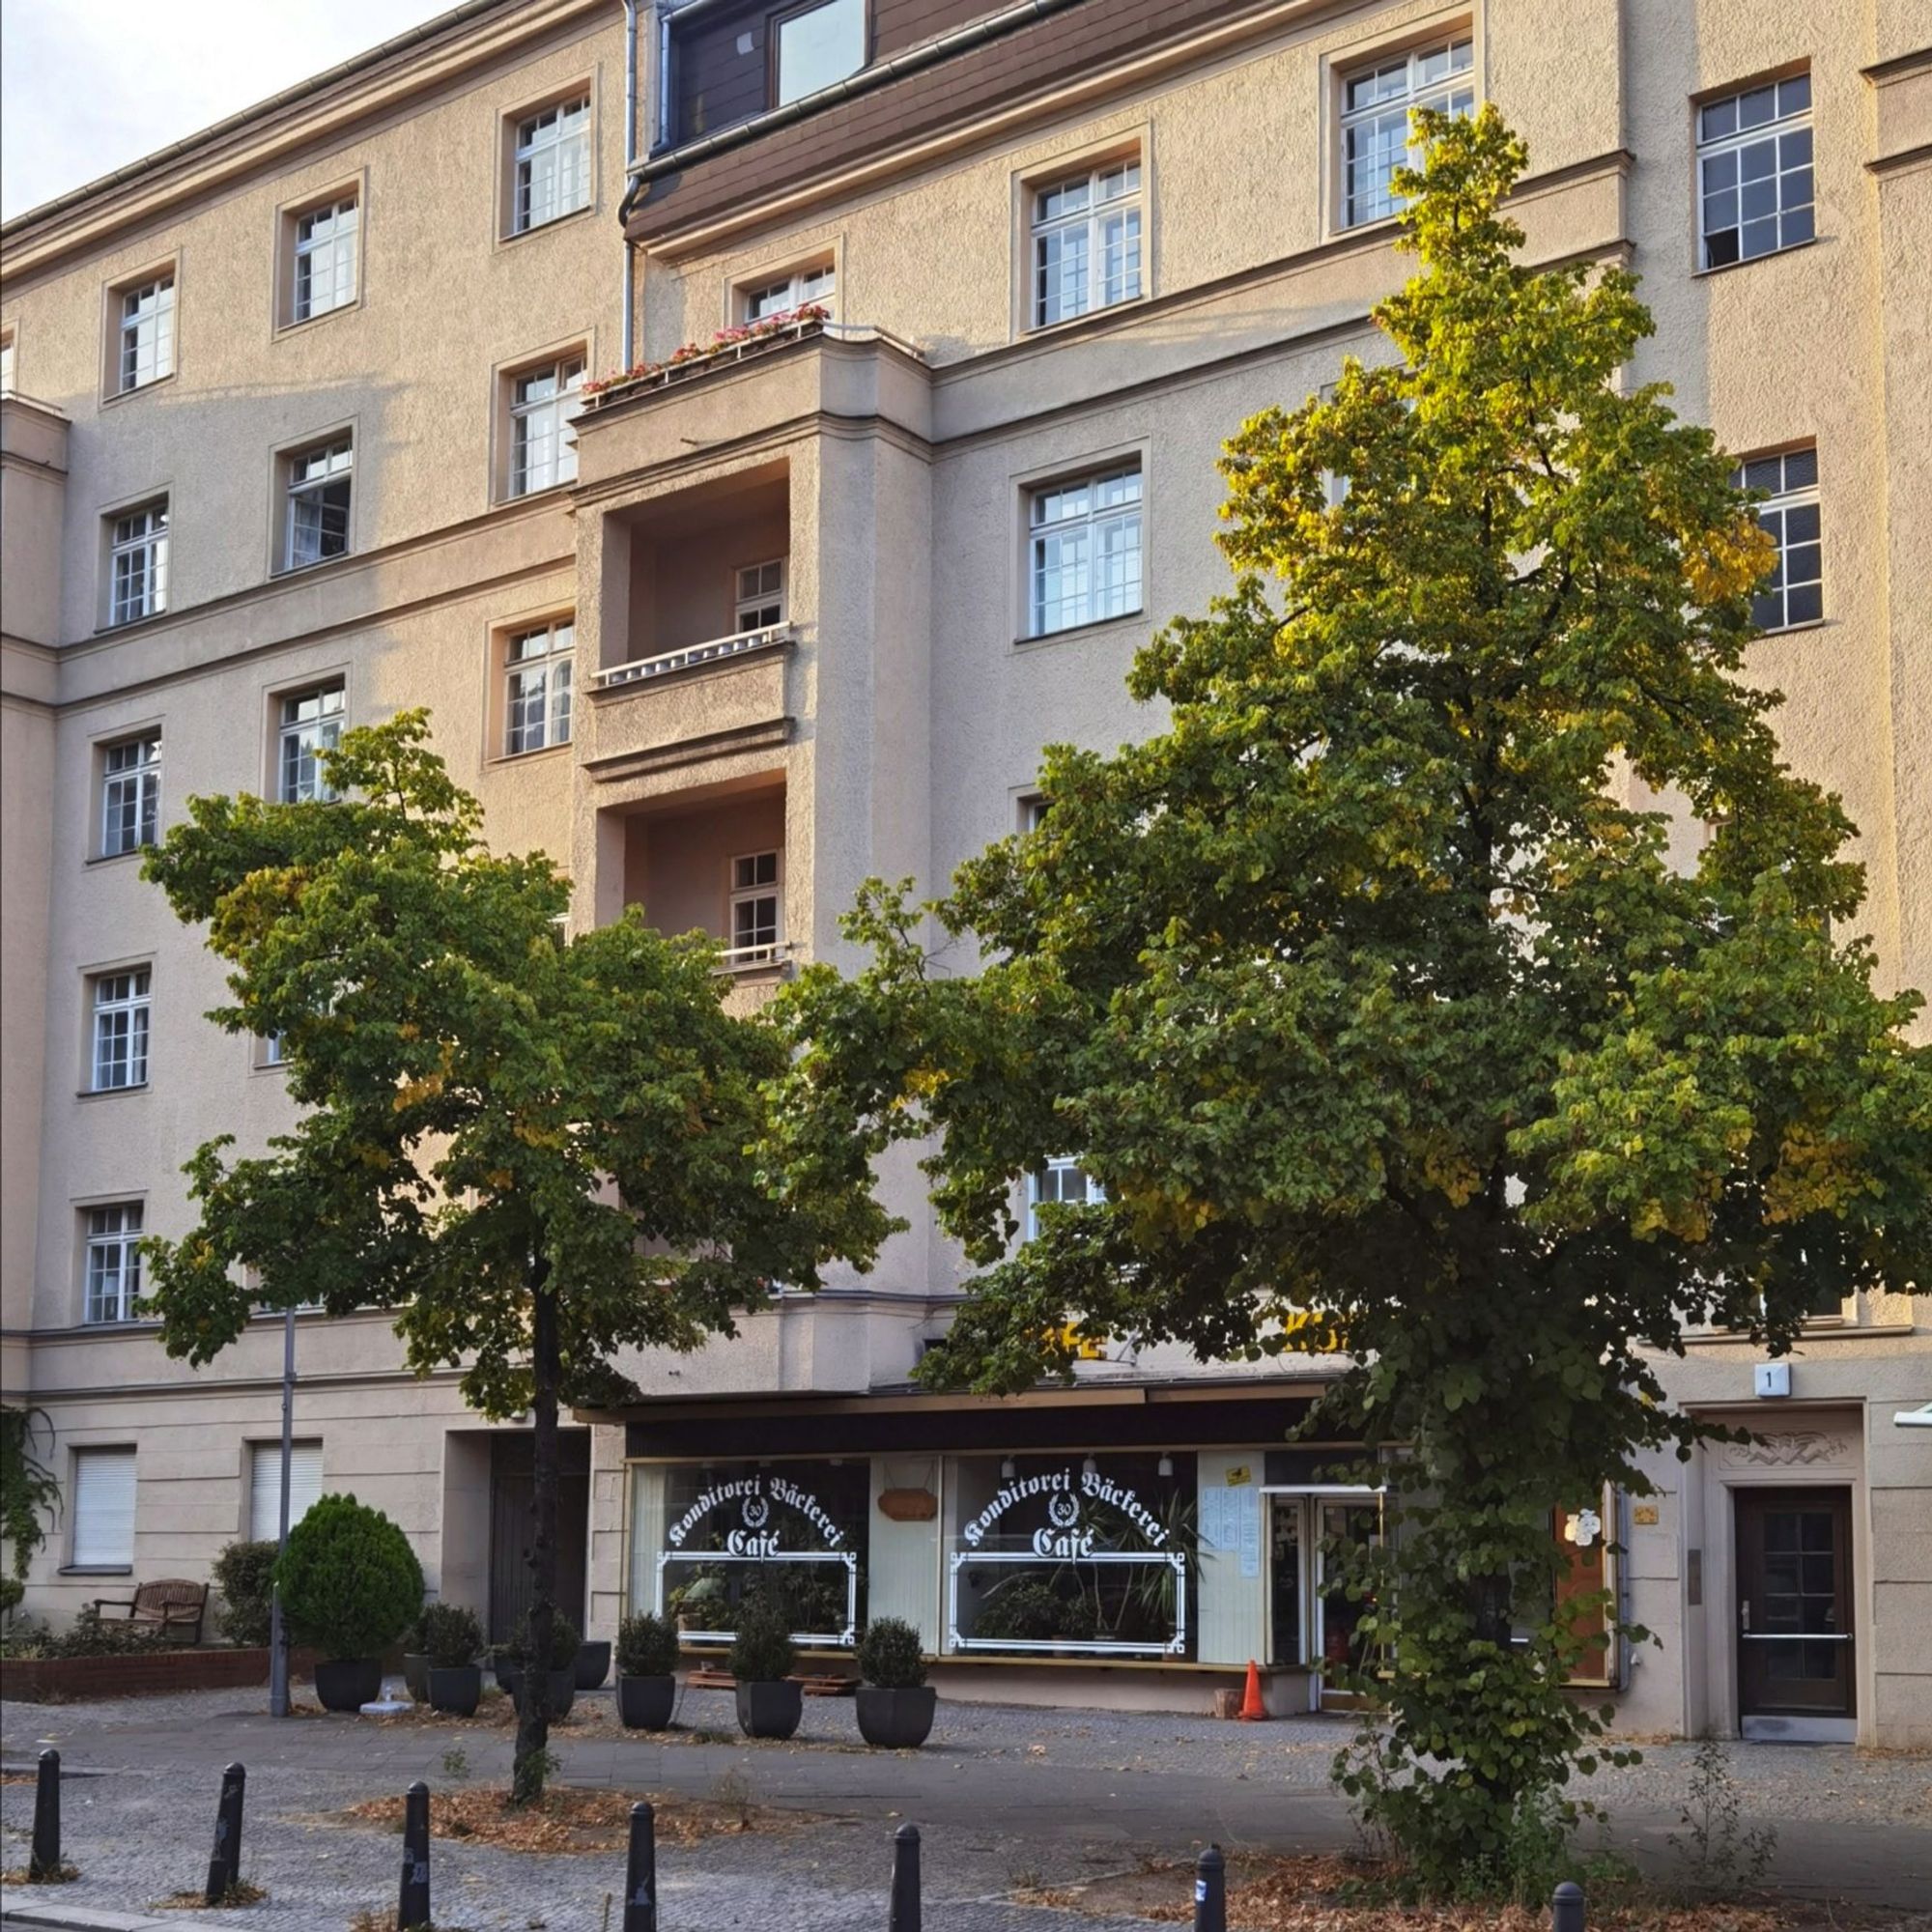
[
  {"x": 757, "y": 959},
  {"x": 641, "y": 670}
]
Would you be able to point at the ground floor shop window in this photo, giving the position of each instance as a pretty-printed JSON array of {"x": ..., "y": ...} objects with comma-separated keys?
[
  {"x": 730, "y": 1530},
  {"x": 1063, "y": 1555}
]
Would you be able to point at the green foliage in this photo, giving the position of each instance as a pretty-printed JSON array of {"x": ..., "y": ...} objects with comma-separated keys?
[
  {"x": 889, "y": 1655},
  {"x": 351, "y": 1584},
  {"x": 762, "y": 1652},
  {"x": 646, "y": 1646},
  {"x": 12, "y": 1590},
  {"x": 451, "y": 1636},
  {"x": 90, "y": 1635},
  {"x": 1717, "y": 1852},
  {"x": 30, "y": 1497},
  {"x": 565, "y": 1641},
  {"x": 1027, "y": 1608},
  {"x": 1367, "y": 988},
  {"x": 244, "y": 1579}
]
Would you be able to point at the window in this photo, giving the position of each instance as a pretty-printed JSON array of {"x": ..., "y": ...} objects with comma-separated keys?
[
  {"x": 147, "y": 335},
  {"x": 1795, "y": 593},
  {"x": 103, "y": 1508},
  {"x": 815, "y": 284},
  {"x": 120, "y": 1053},
  {"x": 1084, "y": 546},
  {"x": 113, "y": 1263},
  {"x": 270, "y": 1050},
  {"x": 543, "y": 445},
  {"x": 311, "y": 721},
  {"x": 755, "y": 909},
  {"x": 1063, "y": 1180},
  {"x": 138, "y": 564},
  {"x": 130, "y": 794},
  {"x": 552, "y": 164},
  {"x": 760, "y": 603},
  {"x": 1374, "y": 119},
  {"x": 1754, "y": 171},
  {"x": 1087, "y": 243},
  {"x": 817, "y": 46},
  {"x": 264, "y": 1486},
  {"x": 318, "y": 515},
  {"x": 538, "y": 708},
  {"x": 327, "y": 240}
]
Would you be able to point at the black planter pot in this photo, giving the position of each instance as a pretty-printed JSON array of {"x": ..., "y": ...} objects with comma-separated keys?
[
  {"x": 770, "y": 1710},
  {"x": 454, "y": 1689},
  {"x": 348, "y": 1682},
  {"x": 645, "y": 1703},
  {"x": 415, "y": 1676},
  {"x": 505, "y": 1674},
  {"x": 562, "y": 1691},
  {"x": 895, "y": 1719},
  {"x": 593, "y": 1665}
]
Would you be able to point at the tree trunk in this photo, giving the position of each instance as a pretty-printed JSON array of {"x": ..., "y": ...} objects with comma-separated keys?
[{"x": 533, "y": 1719}]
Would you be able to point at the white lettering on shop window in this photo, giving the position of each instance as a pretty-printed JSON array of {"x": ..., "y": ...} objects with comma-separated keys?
[
  {"x": 1062, "y": 1537},
  {"x": 755, "y": 1495}
]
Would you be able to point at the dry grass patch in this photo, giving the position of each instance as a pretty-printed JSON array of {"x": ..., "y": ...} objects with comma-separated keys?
[
  {"x": 19, "y": 1875},
  {"x": 242, "y": 1892}
]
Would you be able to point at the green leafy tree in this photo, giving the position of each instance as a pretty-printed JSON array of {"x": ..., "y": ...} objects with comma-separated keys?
[
  {"x": 29, "y": 1490},
  {"x": 1381, "y": 1010},
  {"x": 531, "y": 1145}
]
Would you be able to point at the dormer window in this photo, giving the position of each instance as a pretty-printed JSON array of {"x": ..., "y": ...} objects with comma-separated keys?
[{"x": 813, "y": 46}]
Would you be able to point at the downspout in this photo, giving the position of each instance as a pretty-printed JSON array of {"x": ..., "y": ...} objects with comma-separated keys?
[{"x": 628, "y": 310}]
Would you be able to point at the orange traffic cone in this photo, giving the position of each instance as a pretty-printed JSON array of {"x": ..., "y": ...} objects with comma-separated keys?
[{"x": 1253, "y": 1710}]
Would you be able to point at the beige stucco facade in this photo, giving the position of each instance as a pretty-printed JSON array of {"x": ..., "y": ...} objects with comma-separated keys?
[{"x": 893, "y": 721}]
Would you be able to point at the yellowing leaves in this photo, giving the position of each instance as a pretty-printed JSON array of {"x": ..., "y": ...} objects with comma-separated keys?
[
  {"x": 1724, "y": 560},
  {"x": 413, "y": 1092}
]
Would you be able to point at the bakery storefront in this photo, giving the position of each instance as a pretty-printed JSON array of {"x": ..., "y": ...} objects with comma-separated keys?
[{"x": 1128, "y": 1544}]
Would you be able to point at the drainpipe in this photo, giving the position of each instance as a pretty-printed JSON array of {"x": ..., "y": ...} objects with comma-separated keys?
[{"x": 627, "y": 350}]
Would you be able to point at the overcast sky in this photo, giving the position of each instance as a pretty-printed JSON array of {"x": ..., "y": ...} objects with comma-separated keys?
[{"x": 87, "y": 86}]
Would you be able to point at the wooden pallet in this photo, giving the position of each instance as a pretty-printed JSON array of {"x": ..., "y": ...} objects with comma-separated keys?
[{"x": 823, "y": 1685}]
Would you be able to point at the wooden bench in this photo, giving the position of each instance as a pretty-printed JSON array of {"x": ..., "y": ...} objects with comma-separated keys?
[{"x": 173, "y": 1605}]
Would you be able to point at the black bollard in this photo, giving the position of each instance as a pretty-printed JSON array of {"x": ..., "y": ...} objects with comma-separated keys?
[
  {"x": 413, "y": 1902},
  {"x": 641, "y": 1872},
  {"x": 905, "y": 1880},
  {"x": 44, "y": 1862},
  {"x": 224, "y": 1865},
  {"x": 1566, "y": 1908},
  {"x": 1210, "y": 1891}
]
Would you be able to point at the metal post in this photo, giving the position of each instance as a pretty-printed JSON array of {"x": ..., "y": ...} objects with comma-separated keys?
[
  {"x": 905, "y": 1880},
  {"x": 641, "y": 1872},
  {"x": 413, "y": 1903},
  {"x": 278, "y": 1636},
  {"x": 1566, "y": 1908},
  {"x": 224, "y": 1865},
  {"x": 1210, "y": 1891},
  {"x": 44, "y": 1862}
]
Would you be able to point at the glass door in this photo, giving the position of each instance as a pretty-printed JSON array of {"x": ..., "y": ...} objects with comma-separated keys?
[
  {"x": 1286, "y": 1584},
  {"x": 1795, "y": 1634},
  {"x": 1345, "y": 1525}
]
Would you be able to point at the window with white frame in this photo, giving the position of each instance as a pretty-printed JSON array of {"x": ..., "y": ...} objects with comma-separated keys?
[
  {"x": 1376, "y": 101},
  {"x": 1795, "y": 591},
  {"x": 1754, "y": 171},
  {"x": 264, "y": 1486},
  {"x": 311, "y": 722},
  {"x": 551, "y": 164},
  {"x": 815, "y": 284},
  {"x": 103, "y": 1508},
  {"x": 816, "y": 46},
  {"x": 119, "y": 1047},
  {"x": 326, "y": 240},
  {"x": 318, "y": 494},
  {"x": 130, "y": 794},
  {"x": 755, "y": 908},
  {"x": 113, "y": 1263},
  {"x": 146, "y": 338},
  {"x": 270, "y": 1050},
  {"x": 138, "y": 563},
  {"x": 1087, "y": 243},
  {"x": 760, "y": 601},
  {"x": 537, "y": 702},
  {"x": 1084, "y": 551},
  {"x": 1063, "y": 1180},
  {"x": 544, "y": 404}
]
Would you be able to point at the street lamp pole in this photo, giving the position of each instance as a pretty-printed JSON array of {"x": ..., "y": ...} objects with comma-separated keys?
[{"x": 278, "y": 1636}]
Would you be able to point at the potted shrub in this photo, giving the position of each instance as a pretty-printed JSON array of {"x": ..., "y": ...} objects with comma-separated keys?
[
  {"x": 415, "y": 1662},
  {"x": 565, "y": 1641},
  {"x": 646, "y": 1672},
  {"x": 451, "y": 1637},
  {"x": 351, "y": 1586},
  {"x": 593, "y": 1664},
  {"x": 245, "y": 1575},
  {"x": 762, "y": 1655},
  {"x": 894, "y": 1703}
]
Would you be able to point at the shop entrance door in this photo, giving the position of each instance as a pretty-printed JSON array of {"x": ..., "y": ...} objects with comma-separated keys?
[
  {"x": 1344, "y": 1525},
  {"x": 1796, "y": 1648},
  {"x": 1286, "y": 1584}
]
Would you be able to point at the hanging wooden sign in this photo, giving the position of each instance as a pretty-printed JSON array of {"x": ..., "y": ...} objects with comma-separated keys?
[{"x": 908, "y": 1505}]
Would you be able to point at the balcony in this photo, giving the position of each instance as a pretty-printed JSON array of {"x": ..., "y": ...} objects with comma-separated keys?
[{"x": 713, "y": 650}]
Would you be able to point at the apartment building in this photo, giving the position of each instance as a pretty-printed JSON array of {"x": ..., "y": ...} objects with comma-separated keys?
[{"x": 756, "y": 431}]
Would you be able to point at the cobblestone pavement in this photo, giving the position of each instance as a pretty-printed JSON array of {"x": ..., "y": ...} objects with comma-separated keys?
[{"x": 1006, "y": 1797}]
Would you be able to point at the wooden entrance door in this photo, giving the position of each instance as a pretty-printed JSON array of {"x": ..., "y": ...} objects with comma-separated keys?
[
  {"x": 1795, "y": 1624},
  {"x": 512, "y": 1498}
]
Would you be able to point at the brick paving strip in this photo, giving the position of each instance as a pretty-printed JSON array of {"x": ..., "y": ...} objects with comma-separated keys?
[{"x": 1004, "y": 1797}]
